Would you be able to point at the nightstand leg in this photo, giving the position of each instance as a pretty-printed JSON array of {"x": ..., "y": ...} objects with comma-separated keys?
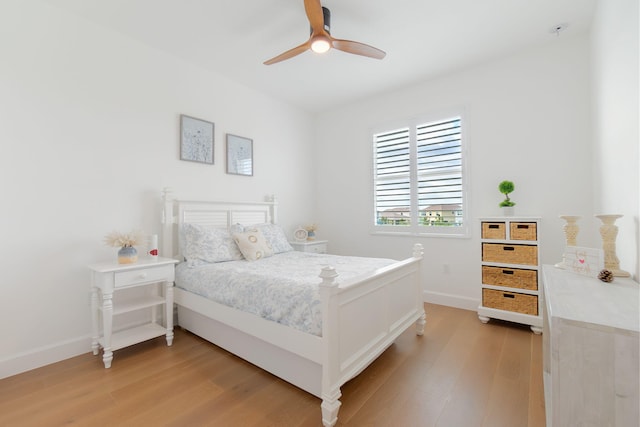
[
  {"x": 107, "y": 319},
  {"x": 95, "y": 319},
  {"x": 168, "y": 295}
]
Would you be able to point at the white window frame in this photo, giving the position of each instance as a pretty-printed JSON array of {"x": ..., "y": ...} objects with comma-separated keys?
[{"x": 415, "y": 229}]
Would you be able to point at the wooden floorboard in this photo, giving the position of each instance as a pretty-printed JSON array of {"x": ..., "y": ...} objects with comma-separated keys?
[{"x": 460, "y": 373}]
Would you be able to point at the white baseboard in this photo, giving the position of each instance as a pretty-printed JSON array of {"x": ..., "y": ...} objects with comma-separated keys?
[
  {"x": 45, "y": 355},
  {"x": 451, "y": 300}
]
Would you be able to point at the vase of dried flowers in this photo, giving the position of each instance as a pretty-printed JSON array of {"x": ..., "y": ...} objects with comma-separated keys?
[
  {"x": 127, "y": 254},
  {"x": 311, "y": 231}
]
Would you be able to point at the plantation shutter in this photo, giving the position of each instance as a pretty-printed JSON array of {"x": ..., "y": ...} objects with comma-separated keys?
[
  {"x": 439, "y": 172},
  {"x": 393, "y": 177}
]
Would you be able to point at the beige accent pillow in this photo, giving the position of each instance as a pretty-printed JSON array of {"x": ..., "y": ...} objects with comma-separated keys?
[{"x": 252, "y": 244}]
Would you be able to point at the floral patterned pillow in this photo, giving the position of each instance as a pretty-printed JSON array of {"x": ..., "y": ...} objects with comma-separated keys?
[
  {"x": 274, "y": 236},
  {"x": 253, "y": 244},
  {"x": 200, "y": 243}
]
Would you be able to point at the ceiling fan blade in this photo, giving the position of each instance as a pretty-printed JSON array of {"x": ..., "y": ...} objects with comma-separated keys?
[
  {"x": 315, "y": 15},
  {"x": 290, "y": 53},
  {"x": 357, "y": 48}
]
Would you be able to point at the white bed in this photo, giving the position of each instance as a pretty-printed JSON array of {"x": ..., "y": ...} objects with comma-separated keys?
[{"x": 360, "y": 318}]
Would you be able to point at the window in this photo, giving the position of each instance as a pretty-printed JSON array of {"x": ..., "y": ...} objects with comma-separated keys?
[{"x": 418, "y": 178}]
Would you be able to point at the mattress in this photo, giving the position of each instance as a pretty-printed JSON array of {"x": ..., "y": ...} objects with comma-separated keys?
[{"x": 283, "y": 288}]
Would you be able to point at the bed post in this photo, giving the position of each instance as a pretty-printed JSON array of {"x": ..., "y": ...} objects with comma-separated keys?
[
  {"x": 418, "y": 252},
  {"x": 330, "y": 348},
  {"x": 274, "y": 208},
  {"x": 168, "y": 220}
]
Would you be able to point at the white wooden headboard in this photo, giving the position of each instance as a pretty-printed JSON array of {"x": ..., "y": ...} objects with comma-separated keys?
[{"x": 210, "y": 213}]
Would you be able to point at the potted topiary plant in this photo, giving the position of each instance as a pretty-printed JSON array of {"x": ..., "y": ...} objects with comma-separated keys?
[{"x": 507, "y": 187}]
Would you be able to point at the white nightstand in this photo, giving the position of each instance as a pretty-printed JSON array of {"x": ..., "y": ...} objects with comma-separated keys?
[
  {"x": 315, "y": 246},
  {"x": 107, "y": 278}
]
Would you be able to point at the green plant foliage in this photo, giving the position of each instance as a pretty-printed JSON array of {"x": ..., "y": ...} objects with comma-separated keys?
[{"x": 506, "y": 187}]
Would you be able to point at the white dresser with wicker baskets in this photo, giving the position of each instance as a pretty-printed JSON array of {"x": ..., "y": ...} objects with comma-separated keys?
[{"x": 511, "y": 285}]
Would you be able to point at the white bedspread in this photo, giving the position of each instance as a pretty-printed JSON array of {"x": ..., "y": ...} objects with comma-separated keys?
[{"x": 283, "y": 288}]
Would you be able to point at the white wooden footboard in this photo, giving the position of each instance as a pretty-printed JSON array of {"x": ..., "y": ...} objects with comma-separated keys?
[{"x": 361, "y": 319}]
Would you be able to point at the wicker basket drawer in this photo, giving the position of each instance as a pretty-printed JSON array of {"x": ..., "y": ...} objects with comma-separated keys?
[
  {"x": 510, "y": 277},
  {"x": 494, "y": 230},
  {"x": 510, "y": 301},
  {"x": 510, "y": 254},
  {"x": 523, "y": 231}
]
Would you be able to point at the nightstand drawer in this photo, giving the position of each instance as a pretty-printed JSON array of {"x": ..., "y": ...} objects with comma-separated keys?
[
  {"x": 318, "y": 249},
  {"x": 147, "y": 275},
  {"x": 510, "y": 254},
  {"x": 510, "y": 277},
  {"x": 314, "y": 246},
  {"x": 510, "y": 301}
]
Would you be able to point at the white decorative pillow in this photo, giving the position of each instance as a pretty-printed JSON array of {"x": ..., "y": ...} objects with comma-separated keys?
[
  {"x": 252, "y": 244},
  {"x": 275, "y": 237},
  {"x": 207, "y": 244}
]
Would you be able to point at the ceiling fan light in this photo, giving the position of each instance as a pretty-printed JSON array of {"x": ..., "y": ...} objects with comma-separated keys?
[{"x": 320, "y": 45}]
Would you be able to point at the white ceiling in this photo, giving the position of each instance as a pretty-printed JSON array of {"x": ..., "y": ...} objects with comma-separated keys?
[{"x": 423, "y": 38}]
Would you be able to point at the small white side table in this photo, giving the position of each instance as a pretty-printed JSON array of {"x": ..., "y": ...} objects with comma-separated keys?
[
  {"x": 107, "y": 278},
  {"x": 315, "y": 246}
]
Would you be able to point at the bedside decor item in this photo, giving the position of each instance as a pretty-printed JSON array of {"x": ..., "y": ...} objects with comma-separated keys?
[
  {"x": 584, "y": 261},
  {"x": 126, "y": 242},
  {"x": 507, "y": 187},
  {"x": 606, "y": 276},
  {"x": 300, "y": 234},
  {"x": 571, "y": 230},
  {"x": 609, "y": 232},
  {"x": 311, "y": 231},
  {"x": 196, "y": 140},
  {"x": 153, "y": 246},
  {"x": 239, "y": 155}
]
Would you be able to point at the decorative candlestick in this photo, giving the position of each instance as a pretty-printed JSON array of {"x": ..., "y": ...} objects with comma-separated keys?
[
  {"x": 609, "y": 232},
  {"x": 571, "y": 230}
]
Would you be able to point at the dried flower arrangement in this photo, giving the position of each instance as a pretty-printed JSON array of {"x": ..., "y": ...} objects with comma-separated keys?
[
  {"x": 311, "y": 227},
  {"x": 121, "y": 240}
]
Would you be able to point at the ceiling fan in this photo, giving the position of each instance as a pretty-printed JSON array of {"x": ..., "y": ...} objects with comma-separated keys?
[{"x": 321, "y": 40}]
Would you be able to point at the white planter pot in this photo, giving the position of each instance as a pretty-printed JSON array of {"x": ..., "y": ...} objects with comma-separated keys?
[{"x": 507, "y": 210}]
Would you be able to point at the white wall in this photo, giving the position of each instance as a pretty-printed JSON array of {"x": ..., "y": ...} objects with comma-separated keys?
[
  {"x": 89, "y": 130},
  {"x": 527, "y": 121},
  {"x": 616, "y": 116}
]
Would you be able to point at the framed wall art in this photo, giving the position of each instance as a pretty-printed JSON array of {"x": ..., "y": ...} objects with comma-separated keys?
[
  {"x": 239, "y": 155},
  {"x": 196, "y": 140}
]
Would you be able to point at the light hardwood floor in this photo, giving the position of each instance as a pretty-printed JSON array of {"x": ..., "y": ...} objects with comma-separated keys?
[{"x": 461, "y": 373}]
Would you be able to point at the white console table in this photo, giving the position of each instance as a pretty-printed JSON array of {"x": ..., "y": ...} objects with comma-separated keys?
[{"x": 590, "y": 345}]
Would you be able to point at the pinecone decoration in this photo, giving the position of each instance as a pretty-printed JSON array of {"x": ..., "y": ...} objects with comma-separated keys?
[{"x": 606, "y": 276}]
